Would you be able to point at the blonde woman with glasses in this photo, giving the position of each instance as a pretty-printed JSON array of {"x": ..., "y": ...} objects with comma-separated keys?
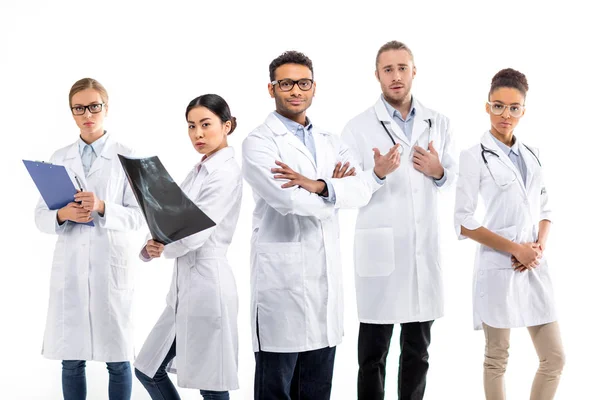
[{"x": 91, "y": 287}]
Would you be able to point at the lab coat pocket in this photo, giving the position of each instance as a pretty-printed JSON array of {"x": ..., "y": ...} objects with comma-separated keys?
[
  {"x": 119, "y": 274},
  {"x": 494, "y": 259},
  {"x": 281, "y": 266},
  {"x": 374, "y": 252},
  {"x": 58, "y": 266},
  {"x": 204, "y": 293}
]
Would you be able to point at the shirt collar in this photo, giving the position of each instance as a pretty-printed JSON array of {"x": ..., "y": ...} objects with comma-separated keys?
[
  {"x": 507, "y": 150},
  {"x": 215, "y": 160},
  {"x": 97, "y": 146},
  {"x": 293, "y": 126},
  {"x": 393, "y": 112}
]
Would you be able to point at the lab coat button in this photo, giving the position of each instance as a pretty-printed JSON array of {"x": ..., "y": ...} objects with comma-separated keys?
[
  {"x": 481, "y": 294},
  {"x": 480, "y": 273}
]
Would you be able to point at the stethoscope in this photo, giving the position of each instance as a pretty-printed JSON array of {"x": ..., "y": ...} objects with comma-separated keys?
[
  {"x": 401, "y": 148},
  {"x": 485, "y": 150},
  {"x": 492, "y": 152}
]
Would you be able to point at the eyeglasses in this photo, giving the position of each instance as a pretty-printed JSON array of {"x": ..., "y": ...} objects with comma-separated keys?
[
  {"x": 285, "y": 85},
  {"x": 515, "y": 110},
  {"x": 93, "y": 108}
]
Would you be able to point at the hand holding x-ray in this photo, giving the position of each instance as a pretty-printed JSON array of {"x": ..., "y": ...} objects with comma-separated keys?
[
  {"x": 154, "y": 248},
  {"x": 170, "y": 214}
]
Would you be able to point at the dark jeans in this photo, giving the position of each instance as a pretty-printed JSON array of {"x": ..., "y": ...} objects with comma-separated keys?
[
  {"x": 294, "y": 376},
  {"x": 373, "y": 346},
  {"x": 160, "y": 386},
  {"x": 74, "y": 383}
]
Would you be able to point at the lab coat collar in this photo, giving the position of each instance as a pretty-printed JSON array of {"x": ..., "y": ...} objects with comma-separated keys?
[
  {"x": 97, "y": 146},
  {"x": 421, "y": 112},
  {"x": 507, "y": 149},
  {"x": 487, "y": 140},
  {"x": 276, "y": 125},
  {"x": 217, "y": 159},
  {"x": 384, "y": 116},
  {"x": 279, "y": 129}
]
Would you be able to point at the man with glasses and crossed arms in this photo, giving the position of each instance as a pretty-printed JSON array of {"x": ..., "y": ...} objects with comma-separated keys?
[
  {"x": 300, "y": 175},
  {"x": 396, "y": 249}
]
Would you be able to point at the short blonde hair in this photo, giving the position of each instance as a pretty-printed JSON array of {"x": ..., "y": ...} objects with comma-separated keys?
[
  {"x": 393, "y": 45},
  {"x": 88, "y": 83}
]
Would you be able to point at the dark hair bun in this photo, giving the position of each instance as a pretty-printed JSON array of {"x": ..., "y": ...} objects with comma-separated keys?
[
  {"x": 233, "y": 125},
  {"x": 217, "y": 105},
  {"x": 511, "y": 78}
]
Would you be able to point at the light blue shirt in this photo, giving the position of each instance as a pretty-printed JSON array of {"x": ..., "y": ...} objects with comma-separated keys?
[
  {"x": 89, "y": 152},
  {"x": 407, "y": 127},
  {"x": 305, "y": 135},
  {"x": 515, "y": 156}
]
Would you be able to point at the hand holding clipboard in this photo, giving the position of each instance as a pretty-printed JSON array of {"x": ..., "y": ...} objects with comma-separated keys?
[{"x": 56, "y": 188}]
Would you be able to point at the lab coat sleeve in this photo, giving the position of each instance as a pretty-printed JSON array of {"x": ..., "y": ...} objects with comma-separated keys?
[
  {"x": 122, "y": 217},
  {"x": 448, "y": 160},
  {"x": 467, "y": 194},
  {"x": 144, "y": 256},
  {"x": 349, "y": 139},
  {"x": 216, "y": 199},
  {"x": 353, "y": 191},
  {"x": 45, "y": 219},
  {"x": 545, "y": 210},
  {"x": 258, "y": 157}
]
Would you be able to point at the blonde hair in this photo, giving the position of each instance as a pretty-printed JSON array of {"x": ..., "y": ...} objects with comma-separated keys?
[
  {"x": 88, "y": 83},
  {"x": 393, "y": 45}
]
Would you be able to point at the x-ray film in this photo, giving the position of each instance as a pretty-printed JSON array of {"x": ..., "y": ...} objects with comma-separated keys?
[{"x": 170, "y": 214}]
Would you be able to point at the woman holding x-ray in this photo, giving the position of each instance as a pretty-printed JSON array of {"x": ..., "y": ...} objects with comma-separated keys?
[{"x": 512, "y": 286}]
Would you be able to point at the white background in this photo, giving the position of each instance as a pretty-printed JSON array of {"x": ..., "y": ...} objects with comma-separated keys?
[{"x": 155, "y": 57}]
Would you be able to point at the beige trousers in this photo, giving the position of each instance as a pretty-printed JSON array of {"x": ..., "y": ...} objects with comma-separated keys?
[{"x": 548, "y": 345}]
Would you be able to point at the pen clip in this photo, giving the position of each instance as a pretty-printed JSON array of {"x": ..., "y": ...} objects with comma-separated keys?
[{"x": 79, "y": 184}]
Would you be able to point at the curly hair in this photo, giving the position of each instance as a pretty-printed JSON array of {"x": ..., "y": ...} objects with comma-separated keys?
[
  {"x": 510, "y": 78},
  {"x": 290, "y": 57}
]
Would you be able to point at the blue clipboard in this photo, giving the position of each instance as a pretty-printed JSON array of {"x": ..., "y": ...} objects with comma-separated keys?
[{"x": 53, "y": 183}]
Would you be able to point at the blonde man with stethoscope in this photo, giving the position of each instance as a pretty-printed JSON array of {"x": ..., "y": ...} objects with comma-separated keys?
[
  {"x": 396, "y": 245},
  {"x": 512, "y": 285}
]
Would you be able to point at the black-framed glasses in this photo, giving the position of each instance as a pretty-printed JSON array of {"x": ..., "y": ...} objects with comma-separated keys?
[
  {"x": 515, "y": 110},
  {"x": 285, "y": 85},
  {"x": 94, "y": 108}
]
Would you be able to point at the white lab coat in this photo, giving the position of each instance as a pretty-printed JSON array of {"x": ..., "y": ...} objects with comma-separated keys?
[
  {"x": 91, "y": 284},
  {"x": 397, "y": 262},
  {"x": 296, "y": 279},
  {"x": 503, "y": 298},
  {"x": 202, "y": 305}
]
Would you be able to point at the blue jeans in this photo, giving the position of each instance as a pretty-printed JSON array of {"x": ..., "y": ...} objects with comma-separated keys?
[
  {"x": 294, "y": 376},
  {"x": 160, "y": 386},
  {"x": 74, "y": 384}
]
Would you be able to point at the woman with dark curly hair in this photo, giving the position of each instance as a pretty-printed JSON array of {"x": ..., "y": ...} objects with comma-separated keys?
[{"x": 512, "y": 286}]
